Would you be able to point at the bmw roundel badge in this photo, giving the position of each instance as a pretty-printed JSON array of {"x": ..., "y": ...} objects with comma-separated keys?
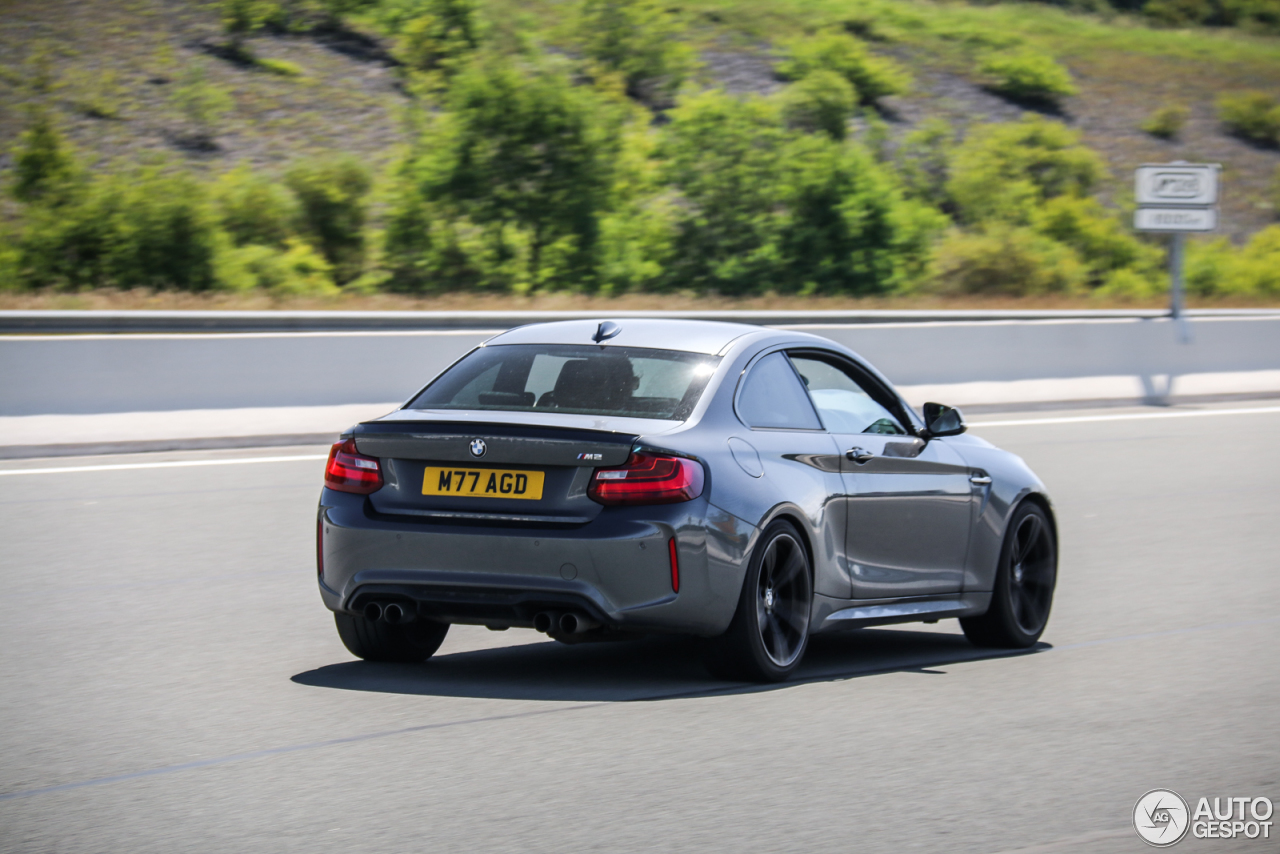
[{"x": 478, "y": 447}]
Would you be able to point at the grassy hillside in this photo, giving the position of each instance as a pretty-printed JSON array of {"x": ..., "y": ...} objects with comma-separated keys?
[{"x": 162, "y": 84}]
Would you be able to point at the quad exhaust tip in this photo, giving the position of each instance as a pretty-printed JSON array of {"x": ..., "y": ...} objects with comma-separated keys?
[
  {"x": 544, "y": 621},
  {"x": 394, "y": 613},
  {"x": 572, "y": 624}
]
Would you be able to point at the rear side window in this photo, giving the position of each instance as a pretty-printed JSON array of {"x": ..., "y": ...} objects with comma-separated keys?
[
  {"x": 772, "y": 396},
  {"x": 591, "y": 380}
]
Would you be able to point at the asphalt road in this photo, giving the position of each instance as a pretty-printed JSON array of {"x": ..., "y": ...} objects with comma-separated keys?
[{"x": 169, "y": 681}]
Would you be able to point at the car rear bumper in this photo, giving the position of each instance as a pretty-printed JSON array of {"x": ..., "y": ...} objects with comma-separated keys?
[{"x": 616, "y": 569}]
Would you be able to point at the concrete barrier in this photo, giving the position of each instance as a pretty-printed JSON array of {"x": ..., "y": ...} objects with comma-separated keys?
[{"x": 959, "y": 361}]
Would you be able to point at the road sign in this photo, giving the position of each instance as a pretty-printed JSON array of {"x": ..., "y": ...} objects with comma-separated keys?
[
  {"x": 1170, "y": 184},
  {"x": 1175, "y": 219}
]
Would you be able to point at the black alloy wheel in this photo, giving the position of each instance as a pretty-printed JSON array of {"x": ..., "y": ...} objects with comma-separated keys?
[
  {"x": 770, "y": 630},
  {"x": 1025, "y": 580}
]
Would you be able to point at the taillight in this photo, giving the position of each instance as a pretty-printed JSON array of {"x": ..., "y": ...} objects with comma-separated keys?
[
  {"x": 350, "y": 471},
  {"x": 648, "y": 479}
]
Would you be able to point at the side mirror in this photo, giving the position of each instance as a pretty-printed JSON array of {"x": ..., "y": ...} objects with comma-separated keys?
[{"x": 942, "y": 420}]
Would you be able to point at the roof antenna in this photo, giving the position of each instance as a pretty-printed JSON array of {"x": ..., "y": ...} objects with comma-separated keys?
[{"x": 607, "y": 329}]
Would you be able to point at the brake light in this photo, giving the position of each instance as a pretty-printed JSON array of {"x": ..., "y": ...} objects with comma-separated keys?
[
  {"x": 648, "y": 479},
  {"x": 350, "y": 471}
]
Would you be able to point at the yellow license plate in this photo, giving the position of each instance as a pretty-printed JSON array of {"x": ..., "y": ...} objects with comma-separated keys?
[{"x": 482, "y": 483}]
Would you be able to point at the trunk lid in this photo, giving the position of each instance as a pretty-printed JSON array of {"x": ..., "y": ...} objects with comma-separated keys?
[{"x": 523, "y": 474}]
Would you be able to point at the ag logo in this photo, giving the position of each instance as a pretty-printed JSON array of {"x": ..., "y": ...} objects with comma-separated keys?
[
  {"x": 478, "y": 447},
  {"x": 1161, "y": 817}
]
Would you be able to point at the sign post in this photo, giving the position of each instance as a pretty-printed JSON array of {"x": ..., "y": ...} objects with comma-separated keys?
[{"x": 1176, "y": 198}]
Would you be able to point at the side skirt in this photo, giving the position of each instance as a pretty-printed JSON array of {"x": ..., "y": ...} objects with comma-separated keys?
[{"x": 835, "y": 614}]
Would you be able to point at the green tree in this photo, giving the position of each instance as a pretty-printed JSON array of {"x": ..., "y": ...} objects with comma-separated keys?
[
  {"x": 332, "y": 209},
  {"x": 526, "y": 156},
  {"x": 848, "y": 229},
  {"x": 725, "y": 157},
  {"x": 44, "y": 166},
  {"x": 1005, "y": 171},
  {"x": 638, "y": 39}
]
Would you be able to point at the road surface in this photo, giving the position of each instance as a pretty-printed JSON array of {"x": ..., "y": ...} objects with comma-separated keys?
[{"x": 172, "y": 683}]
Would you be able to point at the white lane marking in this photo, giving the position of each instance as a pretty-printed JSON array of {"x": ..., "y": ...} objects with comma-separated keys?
[
  {"x": 168, "y": 465},
  {"x": 1132, "y": 416}
]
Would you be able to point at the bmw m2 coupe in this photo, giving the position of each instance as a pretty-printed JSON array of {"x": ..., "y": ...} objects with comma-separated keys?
[{"x": 750, "y": 486}]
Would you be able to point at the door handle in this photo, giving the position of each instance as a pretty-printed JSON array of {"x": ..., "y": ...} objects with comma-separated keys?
[
  {"x": 858, "y": 455},
  {"x": 979, "y": 479}
]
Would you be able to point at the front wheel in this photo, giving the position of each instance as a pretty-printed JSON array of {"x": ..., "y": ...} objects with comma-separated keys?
[
  {"x": 378, "y": 640},
  {"x": 770, "y": 630},
  {"x": 1025, "y": 580}
]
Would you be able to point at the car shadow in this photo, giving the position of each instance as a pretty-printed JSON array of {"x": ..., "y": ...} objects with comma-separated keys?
[{"x": 651, "y": 668}]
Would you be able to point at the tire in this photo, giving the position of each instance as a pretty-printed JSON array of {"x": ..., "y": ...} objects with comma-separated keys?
[
  {"x": 381, "y": 641},
  {"x": 1025, "y": 580},
  {"x": 769, "y": 633}
]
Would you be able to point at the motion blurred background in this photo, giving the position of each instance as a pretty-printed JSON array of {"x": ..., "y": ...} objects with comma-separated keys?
[
  {"x": 944, "y": 187},
  {"x": 381, "y": 152}
]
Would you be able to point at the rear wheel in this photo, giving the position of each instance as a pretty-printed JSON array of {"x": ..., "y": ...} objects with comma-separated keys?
[
  {"x": 770, "y": 630},
  {"x": 378, "y": 640},
  {"x": 1025, "y": 581}
]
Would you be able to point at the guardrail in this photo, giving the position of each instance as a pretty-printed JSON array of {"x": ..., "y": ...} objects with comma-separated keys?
[{"x": 105, "y": 322}]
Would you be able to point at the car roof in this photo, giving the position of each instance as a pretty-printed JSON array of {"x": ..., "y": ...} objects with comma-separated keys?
[{"x": 691, "y": 336}]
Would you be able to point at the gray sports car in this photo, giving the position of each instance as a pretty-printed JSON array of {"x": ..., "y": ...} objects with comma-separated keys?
[{"x": 750, "y": 486}]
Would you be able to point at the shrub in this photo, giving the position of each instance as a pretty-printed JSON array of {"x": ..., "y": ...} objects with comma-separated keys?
[
  {"x": 871, "y": 76},
  {"x": 923, "y": 161},
  {"x": 821, "y": 101},
  {"x": 298, "y": 270},
  {"x": 1004, "y": 171},
  {"x": 1254, "y": 116},
  {"x": 1214, "y": 268},
  {"x": 638, "y": 39},
  {"x": 1180, "y": 13},
  {"x": 44, "y": 167},
  {"x": 254, "y": 210},
  {"x": 441, "y": 37},
  {"x": 1258, "y": 15},
  {"x": 146, "y": 229},
  {"x": 243, "y": 18},
  {"x": 1005, "y": 260},
  {"x": 202, "y": 103},
  {"x": 1098, "y": 238},
  {"x": 280, "y": 67},
  {"x": 1027, "y": 76},
  {"x": 331, "y": 210},
  {"x": 1167, "y": 121}
]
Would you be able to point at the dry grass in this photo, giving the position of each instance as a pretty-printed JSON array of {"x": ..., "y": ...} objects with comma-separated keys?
[{"x": 170, "y": 300}]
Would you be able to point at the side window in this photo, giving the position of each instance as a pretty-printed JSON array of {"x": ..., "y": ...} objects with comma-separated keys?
[
  {"x": 773, "y": 397},
  {"x": 842, "y": 402}
]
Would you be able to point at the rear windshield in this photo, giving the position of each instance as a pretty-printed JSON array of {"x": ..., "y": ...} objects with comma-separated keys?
[{"x": 591, "y": 380}]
